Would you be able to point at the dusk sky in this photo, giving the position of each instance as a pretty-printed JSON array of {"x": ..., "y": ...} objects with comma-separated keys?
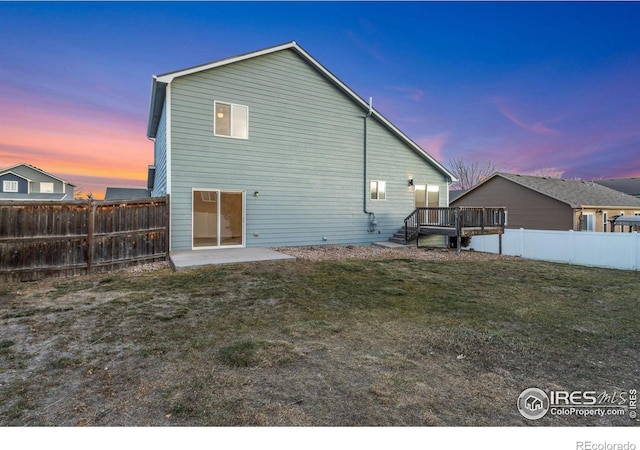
[{"x": 532, "y": 87}]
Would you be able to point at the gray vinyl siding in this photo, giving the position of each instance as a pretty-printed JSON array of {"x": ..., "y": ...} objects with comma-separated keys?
[
  {"x": 160, "y": 157},
  {"x": 304, "y": 155},
  {"x": 38, "y": 177}
]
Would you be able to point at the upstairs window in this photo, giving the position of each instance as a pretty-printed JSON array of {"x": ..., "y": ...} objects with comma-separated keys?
[
  {"x": 46, "y": 187},
  {"x": 378, "y": 190},
  {"x": 230, "y": 120},
  {"x": 9, "y": 186}
]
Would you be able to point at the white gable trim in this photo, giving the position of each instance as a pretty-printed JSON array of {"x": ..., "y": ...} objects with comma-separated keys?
[
  {"x": 169, "y": 77},
  {"x": 16, "y": 174}
]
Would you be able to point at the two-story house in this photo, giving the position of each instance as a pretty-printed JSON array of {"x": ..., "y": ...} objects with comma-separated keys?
[{"x": 270, "y": 148}]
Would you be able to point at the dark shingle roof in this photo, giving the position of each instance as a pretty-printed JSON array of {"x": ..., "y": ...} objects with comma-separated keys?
[
  {"x": 454, "y": 194},
  {"x": 629, "y": 186},
  {"x": 113, "y": 193},
  {"x": 575, "y": 193},
  {"x": 35, "y": 196}
]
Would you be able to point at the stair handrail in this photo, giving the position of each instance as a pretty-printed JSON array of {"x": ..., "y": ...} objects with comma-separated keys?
[{"x": 411, "y": 226}]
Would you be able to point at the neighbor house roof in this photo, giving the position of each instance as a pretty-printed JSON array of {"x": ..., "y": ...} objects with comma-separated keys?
[
  {"x": 454, "y": 194},
  {"x": 160, "y": 82},
  {"x": 4, "y": 172},
  {"x": 16, "y": 172},
  {"x": 577, "y": 194},
  {"x": 114, "y": 193},
  {"x": 629, "y": 186},
  {"x": 36, "y": 196}
]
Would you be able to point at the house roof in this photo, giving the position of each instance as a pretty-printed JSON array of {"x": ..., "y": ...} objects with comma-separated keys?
[
  {"x": 577, "y": 194},
  {"x": 114, "y": 193},
  {"x": 4, "y": 172},
  {"x": 454, "y": 194},
  {"x": 160, "y": 82},
  {"x": 629, "y": 186},
  {"x": 12, "y": 169},
  {"x": 34, "y": 196}
]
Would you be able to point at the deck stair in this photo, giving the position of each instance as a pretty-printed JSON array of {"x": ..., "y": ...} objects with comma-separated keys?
[
  {"x": 399, "y": 237},
  {"x": 455, "y": 222}
]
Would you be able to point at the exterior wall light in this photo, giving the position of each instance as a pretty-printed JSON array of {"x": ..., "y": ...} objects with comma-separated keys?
[{"x": 410, "y": 181}]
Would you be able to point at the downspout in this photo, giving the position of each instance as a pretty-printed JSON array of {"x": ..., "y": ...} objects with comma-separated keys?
[{"x": 372, "y": 216}]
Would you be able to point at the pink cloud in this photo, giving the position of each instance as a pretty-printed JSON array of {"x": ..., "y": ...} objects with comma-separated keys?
[
  {"x": 75, "y": 143},
  {"x": 434, "y": 144},
  {"x": 537, "y": 128}
]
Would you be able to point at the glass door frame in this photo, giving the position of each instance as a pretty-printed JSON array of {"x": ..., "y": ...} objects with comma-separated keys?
[{"x": 219, "y": 193}]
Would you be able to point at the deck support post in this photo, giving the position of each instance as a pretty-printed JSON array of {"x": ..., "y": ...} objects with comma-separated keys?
[{"x": 458, "y": 231}]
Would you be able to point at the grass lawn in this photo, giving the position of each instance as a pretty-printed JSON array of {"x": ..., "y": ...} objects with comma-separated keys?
[{"x": 345, "y": 343}]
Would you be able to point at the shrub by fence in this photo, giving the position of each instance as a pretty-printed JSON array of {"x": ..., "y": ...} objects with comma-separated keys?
[
  {"x": 41, "y": 239},
  {"x": 611, "y": 250}
]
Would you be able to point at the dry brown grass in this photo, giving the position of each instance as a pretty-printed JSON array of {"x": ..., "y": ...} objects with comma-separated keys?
[{"x": 396, "y": 341}]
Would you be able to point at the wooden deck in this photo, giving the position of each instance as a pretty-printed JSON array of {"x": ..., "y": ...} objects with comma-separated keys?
[
  {"x": 465, "y": 232},
  {"x": 456, "y": 222}
]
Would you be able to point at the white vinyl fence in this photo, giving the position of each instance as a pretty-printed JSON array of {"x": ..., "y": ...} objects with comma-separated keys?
[{"x": 612, "y": 250}]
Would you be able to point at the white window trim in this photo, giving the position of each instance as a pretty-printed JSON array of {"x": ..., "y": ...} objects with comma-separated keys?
[
  {"x": 231, "y": 107},
  {"x": 8, "y": 186},
  {"x": 47, "y": 184},
  {"x": 377, "y": 198},
  {"x": 593, "y": 221}
]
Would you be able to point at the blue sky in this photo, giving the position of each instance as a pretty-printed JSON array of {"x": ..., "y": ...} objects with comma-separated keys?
[{"x": 534, "y": 87}]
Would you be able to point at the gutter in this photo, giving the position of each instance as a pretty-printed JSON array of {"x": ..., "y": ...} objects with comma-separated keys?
[{"x": 372, "y": 216}]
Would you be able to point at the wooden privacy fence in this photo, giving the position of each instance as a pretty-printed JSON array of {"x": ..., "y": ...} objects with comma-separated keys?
[{"x": 41, "y": 239}]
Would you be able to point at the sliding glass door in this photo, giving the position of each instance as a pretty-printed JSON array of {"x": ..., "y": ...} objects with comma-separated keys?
[{"x": 218, "y": 218}]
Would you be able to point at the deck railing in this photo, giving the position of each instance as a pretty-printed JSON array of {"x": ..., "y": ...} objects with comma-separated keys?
[
  {"x": 482, "y": 217},
  {"x": 457, "y": 218}
]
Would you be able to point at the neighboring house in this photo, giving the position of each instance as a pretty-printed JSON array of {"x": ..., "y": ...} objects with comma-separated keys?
[
  {"x": 543, "y": 203},
  {"x": 455, "y": 194},
  {"x": 270, "y": 149},
  {"x": 116, "y": 193},
  {"x": 630, "y": 186},
  {"x": 113, "y": 193},
  {"x": 26, "y": 182}
]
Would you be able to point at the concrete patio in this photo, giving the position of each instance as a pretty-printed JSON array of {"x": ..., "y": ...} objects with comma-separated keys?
[{"x": 186, "y": 259}]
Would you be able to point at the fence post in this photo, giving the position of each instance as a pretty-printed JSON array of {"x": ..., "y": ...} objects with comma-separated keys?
[
  {"x": 91, "y": 220},
  {"x": 458, "y": 231},
  {"x": 167, "y": 211}
]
